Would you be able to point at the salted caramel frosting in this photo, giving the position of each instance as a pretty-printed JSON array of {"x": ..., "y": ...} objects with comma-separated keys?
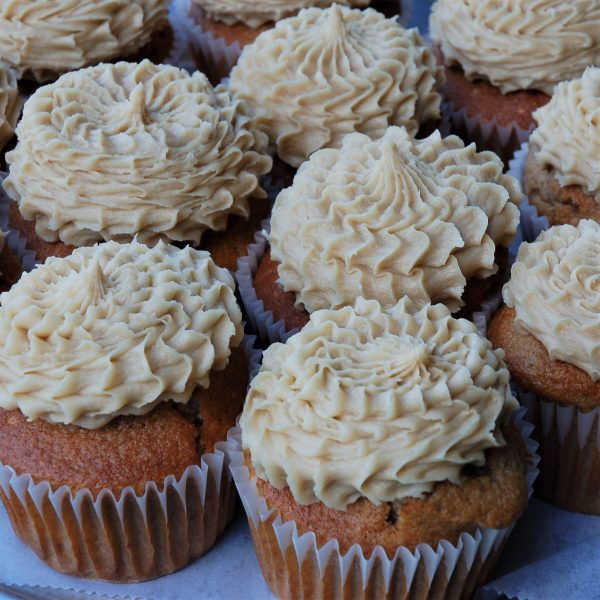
[
  {"x": 568, "y": 134},
  {"x": 256, "y": 13},
  {"x": 42, "y": 38},
  {"x": 316, "y": 77},
  {"x": 134, "y": 149},
  {"x": 10, "y": 104},
  {"x": 518, "y": 44},
  {"x": 114, "y": 329},
  {"x": 392, "y": 217},
  {"x": 367, "y": 403},
  {"x": 554, "y": 289}
]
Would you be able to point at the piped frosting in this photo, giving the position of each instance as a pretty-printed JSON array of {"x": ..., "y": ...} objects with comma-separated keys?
[
  {"x": 134, "y": 149},
  {"x": 364, "y": 403},
  {"x": 10, "y": 104},
  {"x": 114, "y": 330},
  {"x": 392, "y": 217},
  {"x": 316, "y": 77}
]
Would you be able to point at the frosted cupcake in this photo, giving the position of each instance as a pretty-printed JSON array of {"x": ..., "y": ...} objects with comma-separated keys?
[
  {"x": 10, "y": 104},
  {"x": 133, "y": 149},
  {"x": 121, "y": 372},
  {"x": 379, "y": 432},
  {"x": 43, "y": 38},
  {"x": 505, "y": 58},
  {"x": 548, "y": 330},
  {"x": 323, "y": 74},
  {"x": 430, "y": 219},
  {"x": 562, "y": 170}
]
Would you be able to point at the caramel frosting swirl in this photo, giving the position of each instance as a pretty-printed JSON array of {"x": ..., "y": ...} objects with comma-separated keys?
[
  {"x": 256, "y": 13},
  {"x": 568, "y": 134},
  {"x": 519, "y": 44},
  {"x": 392, "y": 217},
  {"x": 114, "y": 329},
  {"x": 116, "y": 151},
  {"x": 364, "y": 403},
  {"x": 10, "y": 104},
  {"x": 555, "y": 291},
  {"x": 314, "y": 78},
  {"x": 42, "y": 38}
]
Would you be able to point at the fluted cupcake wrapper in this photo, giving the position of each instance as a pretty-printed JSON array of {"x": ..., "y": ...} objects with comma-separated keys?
[
  {"x": 487, "y": 135},
  {"x": 261, "y": 320},
  {"x": 569, "y": 441},
  {"x": 295, "y": 566},
  {"x": 130, "y": 537},
  {"x": 532, "y": 223}
]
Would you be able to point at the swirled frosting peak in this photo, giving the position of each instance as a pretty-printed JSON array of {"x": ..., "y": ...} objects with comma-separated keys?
[
  {"x": 519, "y": 44},
  {"x": 568, "y": 134},
  {"x": 124, "y": 150},
  {"x": 42, "y": 38},
  {"x": 255, "y": 13},
  {"x": 555, "y": 291},
  {"x": 375, "y": 404},
  {"x": 316, "y": 77},
  {"x": 392, "y": 217},
  {"x": 10, "y": 104},
  {"x": 113, "y": 330}
]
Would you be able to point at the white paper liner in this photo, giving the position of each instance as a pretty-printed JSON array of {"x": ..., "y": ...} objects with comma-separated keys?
[
  {"x": 532, "y": 223},
  {"x": 487, "y": 135},
  {"x": 127, "y": 538},
  {"x": 261, "y": 320},
  {"x": 450, "y": 570},
  {"x": 569, "y": 441}
]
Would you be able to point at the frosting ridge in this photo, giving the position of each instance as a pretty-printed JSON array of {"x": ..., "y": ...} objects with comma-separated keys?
[
  {"x": 392, "y": 217},
  {"x": 519, "y": 44},
  {"x": 10, "y": 104},
  {"x": 376, "y": 404},
  {"x": 555, "y": 291},
  {"x": 113, "y": 330},
  {"x": 115, "y": 151},
  {"x": 318, "y": 76}
]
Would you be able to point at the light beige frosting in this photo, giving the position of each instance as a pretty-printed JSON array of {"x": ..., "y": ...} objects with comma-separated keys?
[
  {"x": 10, "y": 104},
  {"x": 392, "y": 217},
  {"x": 114, "y": 329},
  {"x": 568, "y": 133},
  {"x": 42, "y": 38},
  {"x": 374, "y": 404},
  {"x": 116, "y": 151},
  {"x": 555, "y": 291},
  {"x": 255, "y": 13},
  {"x": 314, "y": 78},
  {"x": 519, "y": 44}
]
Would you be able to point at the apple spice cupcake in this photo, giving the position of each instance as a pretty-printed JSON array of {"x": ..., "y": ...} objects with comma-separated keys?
[
  {"x": 379, "y": 456},
  {"x": 43, "y": 38},
  {"x": 430, "y": 219},
  {"x": 10, "y": 104},
  {"x": 120, "y": 351},
  {"x": 547, "y": 331},
  {"x": 323, "y": 74},
  {"x": 134, "y": 149},
  {"x": 504, "y": 59},
  {"x": 559, "y": 167}
]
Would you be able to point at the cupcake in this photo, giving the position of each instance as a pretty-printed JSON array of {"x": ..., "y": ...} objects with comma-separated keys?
[
  {"x": 42, "y": 38},
  {"x": 10, "y": 104},
  {"x": 316, "y": 77},
  {"x": 371, "y": 434},
  {"x": 220, "y": 29},
  {"x": 503, "y": 60},
  {"x": 121, "y": 373},
  {"x": 133, "y": 149},
  {"x": 561, "y": 174},
  {"x": 430, "y": 219},
  {"x": 548, "y": 331}
]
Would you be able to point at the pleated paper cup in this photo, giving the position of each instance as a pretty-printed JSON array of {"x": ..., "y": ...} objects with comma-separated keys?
[
  {"x": 295, "y": 566},
  {"x": 569, "y": 442},
  {"x": 126, "y": 537},
  {"x": 532, "y": 224}
]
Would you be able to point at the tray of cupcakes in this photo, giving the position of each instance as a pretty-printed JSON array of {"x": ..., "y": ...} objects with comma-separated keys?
[{"x": 300, "y": 299}]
